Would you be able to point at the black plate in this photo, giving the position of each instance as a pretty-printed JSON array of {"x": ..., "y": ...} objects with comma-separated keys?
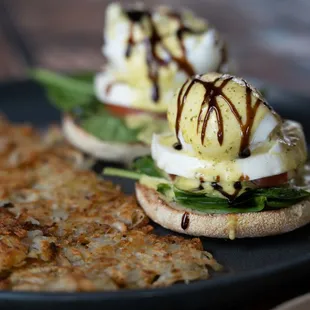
[{"x": 256, "y": 268}]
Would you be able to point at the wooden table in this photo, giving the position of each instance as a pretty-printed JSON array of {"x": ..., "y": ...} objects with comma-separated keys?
[{"x": 268, "y": 39}]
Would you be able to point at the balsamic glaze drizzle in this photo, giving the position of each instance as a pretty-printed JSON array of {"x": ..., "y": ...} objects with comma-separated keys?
[
  {"x": 109, "y": 88},
  {"x": 177, "y": 146},
  {"x": 212, "y": 92},
  {"x": 185, "y": 221},
  {"x": 152, "y": 59},
  {"x": 230, "y": 197}
]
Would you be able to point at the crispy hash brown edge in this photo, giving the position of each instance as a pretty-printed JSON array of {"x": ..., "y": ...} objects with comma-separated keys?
[{"x": 62, "y": 228}]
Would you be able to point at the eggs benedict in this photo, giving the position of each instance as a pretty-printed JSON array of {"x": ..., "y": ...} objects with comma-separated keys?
[
  {"x": 229, "y": 167},
  {"x": 148, "y": 55},
  {"x": 151, "y": 53}
]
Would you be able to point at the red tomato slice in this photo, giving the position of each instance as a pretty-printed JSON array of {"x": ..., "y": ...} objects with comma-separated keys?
[
  {"x": 123, "y": 111},
  {"x": 172, "y": 177},
  {"x": 272, "y": 181}
]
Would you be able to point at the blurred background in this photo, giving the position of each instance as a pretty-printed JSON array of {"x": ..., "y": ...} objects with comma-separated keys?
[{"x": 269, "y": 39}]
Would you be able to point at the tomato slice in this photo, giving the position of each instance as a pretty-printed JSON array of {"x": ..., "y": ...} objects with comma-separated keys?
[
  {"x": 274, "y": 180},
  {"x": 121, "y": 111},
  {"x": 124, "y": 111},
  {"x": 172, "y": 177}
]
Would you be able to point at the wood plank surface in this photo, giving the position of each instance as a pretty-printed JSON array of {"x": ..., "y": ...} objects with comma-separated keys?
[
  {"x": 12, "y": 65},
  {"x": 267, "y": 39}
]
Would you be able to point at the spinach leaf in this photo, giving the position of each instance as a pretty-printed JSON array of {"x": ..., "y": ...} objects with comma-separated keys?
[
  {"x": 146, "y": 165},
  {"x": 66, "y": 92},
  {"x": 164, "y": 188},
  {"x": 251, "y": 201},
  {"x": 107, "y": 127},
  {"x": 204, "y": 203},
  {"x": 116, "y": 172},
  {"x": 281, "y": 193},
  {"x": 75, "y": 95},
  {"x": 255, "y": 204},
  {"x": 274, "y": 204}
]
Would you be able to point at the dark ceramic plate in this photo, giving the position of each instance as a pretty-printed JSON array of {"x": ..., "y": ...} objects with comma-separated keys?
[{"x": 256, "y": 268}]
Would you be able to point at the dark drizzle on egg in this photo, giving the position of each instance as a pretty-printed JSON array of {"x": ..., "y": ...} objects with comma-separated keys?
[
  {"x": 109, "y": 88},
  {"x": 152, "y": 58},
  {"x": 177, "y": 146},
  {"x": 135, "y": 16},
  {"x": 212, "y": 92}
]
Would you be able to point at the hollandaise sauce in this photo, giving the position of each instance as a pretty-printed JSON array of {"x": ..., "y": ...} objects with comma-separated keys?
[{"x": 213, "y": 90}]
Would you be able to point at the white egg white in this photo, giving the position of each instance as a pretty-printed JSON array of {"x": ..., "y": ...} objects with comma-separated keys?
[{"x": 285, "y": 153}]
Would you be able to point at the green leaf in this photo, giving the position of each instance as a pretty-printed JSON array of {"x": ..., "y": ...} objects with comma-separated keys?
[
  {"x": 255, "y": 204},
  {"x": 75, "y": 94},
  {"x": 164, "y": 188},
  {"x": 66, "y": 92},
  {"x": 281, "y": 193},
  {"x": 203, "y": 203},
  {"x": 196, "y": 195},
  {"x": 121, "y": 173},
  {"x": 280, "y": 203},
  {"x": 87, "y": 77},
  {"x": 107, "y": 127},
  {"x": 146, "y": 165},
  {"x": 251, "y": 201}
]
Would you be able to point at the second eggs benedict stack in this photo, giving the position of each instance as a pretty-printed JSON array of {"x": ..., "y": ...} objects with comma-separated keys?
[{"x": 148, "y": 55}]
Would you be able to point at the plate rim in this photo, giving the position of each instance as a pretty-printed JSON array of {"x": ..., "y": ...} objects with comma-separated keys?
[
  {"x": 240, "y": 278},
  {"x": 175, "y": 289}
]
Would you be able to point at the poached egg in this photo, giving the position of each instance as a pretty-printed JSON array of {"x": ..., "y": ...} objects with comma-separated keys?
[
  {"x": 223, "y": 130},
  {"x": 150, "y": 54}
]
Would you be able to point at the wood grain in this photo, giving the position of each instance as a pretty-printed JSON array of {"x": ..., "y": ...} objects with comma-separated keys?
[
  {"x": 267, "y": 39},
  {"x": 12, "y": 65}
]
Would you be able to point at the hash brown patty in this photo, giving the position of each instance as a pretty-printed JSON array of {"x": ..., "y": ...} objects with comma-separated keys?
[{"x": 62, "y": 228}]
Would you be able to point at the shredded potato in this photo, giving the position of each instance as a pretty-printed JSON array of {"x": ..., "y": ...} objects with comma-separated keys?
[{"x": 64, "y": 229}]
